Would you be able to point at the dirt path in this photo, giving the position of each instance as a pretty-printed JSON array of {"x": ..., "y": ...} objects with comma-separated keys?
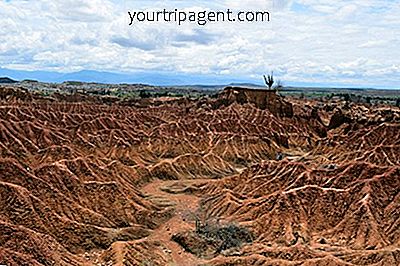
[{"x": 184, "y": 205}]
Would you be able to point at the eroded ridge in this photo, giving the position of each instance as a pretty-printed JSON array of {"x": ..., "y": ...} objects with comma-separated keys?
[{"x": 89, "y": 181}]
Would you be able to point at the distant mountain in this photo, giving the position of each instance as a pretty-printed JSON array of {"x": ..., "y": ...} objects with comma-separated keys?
[
  {"x": 247, "y": 85},
  {"x": 151, "y": 77},
  {"x": 6, "y": 80},
  {"x": 163, "y": 78}
]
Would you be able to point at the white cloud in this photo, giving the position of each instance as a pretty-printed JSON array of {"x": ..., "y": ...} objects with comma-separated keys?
[{"x": 307, "y": 40}]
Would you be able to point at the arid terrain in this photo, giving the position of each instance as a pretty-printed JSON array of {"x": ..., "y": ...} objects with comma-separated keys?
[{"x": 244, "y": 178}]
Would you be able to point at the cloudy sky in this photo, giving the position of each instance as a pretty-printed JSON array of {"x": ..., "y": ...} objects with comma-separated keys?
[{"x": 349, "y": 42}]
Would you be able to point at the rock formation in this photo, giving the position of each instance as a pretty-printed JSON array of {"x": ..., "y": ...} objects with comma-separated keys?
[
  {"x": 84, "y": 181},
  {"x": 263, "y": 99}
]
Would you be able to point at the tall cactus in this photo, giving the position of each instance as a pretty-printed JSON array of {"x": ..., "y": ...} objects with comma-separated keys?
[{"x": 269, "y": 80}]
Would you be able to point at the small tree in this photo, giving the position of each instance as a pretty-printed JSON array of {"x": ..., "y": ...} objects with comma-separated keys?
[
  {"x": 347, "y": 97},
  {"x": 269, "y": 80},
  {"x": 278, "y": 85},
  {"x": 144, "y": 94}
]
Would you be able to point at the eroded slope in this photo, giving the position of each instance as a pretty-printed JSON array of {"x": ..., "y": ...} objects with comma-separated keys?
[{"x": 87, "y": 182}]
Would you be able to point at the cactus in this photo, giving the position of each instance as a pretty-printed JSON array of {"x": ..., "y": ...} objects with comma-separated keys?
[{"x": 269, "y": 80}]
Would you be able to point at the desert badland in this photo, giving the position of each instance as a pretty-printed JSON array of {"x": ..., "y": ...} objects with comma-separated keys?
[{"x": 247, "y": 177}]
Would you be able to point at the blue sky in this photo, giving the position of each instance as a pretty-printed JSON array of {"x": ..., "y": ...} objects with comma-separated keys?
[{"x": 352, "y": 42}]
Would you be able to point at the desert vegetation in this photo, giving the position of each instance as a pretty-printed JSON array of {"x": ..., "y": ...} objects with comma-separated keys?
[
  {"x": 269, "y": 80},
  {"x": 212, "y": 238}
]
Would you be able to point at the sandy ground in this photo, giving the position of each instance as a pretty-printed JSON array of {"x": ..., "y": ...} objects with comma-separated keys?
[{"x": 185, "y": 205}]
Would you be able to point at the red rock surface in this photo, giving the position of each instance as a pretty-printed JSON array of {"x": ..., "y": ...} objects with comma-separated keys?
[
  {"x": 262, "y": 99},
  {"x": 86, "y": 181}
]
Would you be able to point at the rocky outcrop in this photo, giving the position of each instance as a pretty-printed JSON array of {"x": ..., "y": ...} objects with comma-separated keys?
[
  {"x": 262, "y": 99},
  {"x": 338, "y": 119},
  {"x": 10, "y": 94}
]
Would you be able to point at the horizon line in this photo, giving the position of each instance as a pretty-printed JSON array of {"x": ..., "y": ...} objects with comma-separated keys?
[{"x": 203, "y": 79}]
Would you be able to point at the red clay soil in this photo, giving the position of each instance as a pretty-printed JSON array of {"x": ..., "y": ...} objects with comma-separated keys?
[
  {"x": 89, "y": 182},
  {"x": 184, "y": 205}
]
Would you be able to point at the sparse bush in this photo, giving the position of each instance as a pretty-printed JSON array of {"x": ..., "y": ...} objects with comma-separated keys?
[
  {"x": 279, "y": 85},
  {"x": 214, "y": 95},
  {"x": 212, "y": 238},
  {"x": 347, "y": 97},
  {"x": 161, "y": 94},
  {"x": 144, "y": 94},
  {"x": 225, "y": 236}
]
